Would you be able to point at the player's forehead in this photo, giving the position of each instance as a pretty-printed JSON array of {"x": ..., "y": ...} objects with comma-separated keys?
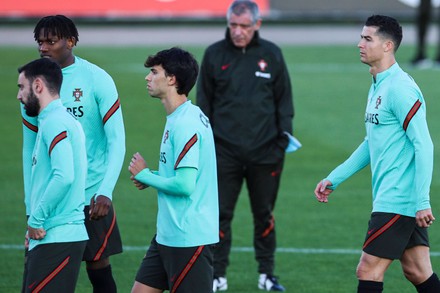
[
  {"x": 157, "y": 68},
  {"x": 48, "y": 34},
  {"x": 244, "y": 18},
  {"x": 369, "y": 31},
  {"x": 22, "y": 80}
]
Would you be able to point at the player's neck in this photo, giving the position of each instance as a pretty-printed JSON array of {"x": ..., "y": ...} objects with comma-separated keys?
[
  {"x": 69, "y": 61},
  {"x": 381, "y": 66},
  {"x": 171, "y": 103}
]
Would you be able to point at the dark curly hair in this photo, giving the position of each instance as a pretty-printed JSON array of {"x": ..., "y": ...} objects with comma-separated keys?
[
  {"x": 178, "y": 63},
  {"x": 58, "y": 25}
]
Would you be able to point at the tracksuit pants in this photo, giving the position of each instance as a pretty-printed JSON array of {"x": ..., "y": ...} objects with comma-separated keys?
[{"x": 262, "y": 182}]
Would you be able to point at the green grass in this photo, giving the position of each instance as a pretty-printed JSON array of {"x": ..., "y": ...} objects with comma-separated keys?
[{"x": 330, "y": 87}]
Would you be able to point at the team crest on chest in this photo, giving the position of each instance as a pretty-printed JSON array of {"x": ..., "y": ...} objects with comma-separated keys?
[
  {"x": 166, "y": 136},
  {"x": 378, "y": 101},
  {"x": 77, "y": 94},
  {"x": 262, "y": 64}
]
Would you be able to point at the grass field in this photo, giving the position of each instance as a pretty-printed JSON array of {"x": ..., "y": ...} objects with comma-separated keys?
[{"x": 319, "y": 245}]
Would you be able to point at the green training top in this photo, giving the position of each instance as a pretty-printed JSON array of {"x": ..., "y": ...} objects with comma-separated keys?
[
  {"x": 90, "y": 94},
  {"x": 57, "y": 177},
  {"x": 398, "y": 146},
  {"x": 189, "y": 218}
]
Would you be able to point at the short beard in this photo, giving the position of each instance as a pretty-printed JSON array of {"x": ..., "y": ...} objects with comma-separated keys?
[{"x": 32, "y": 106}]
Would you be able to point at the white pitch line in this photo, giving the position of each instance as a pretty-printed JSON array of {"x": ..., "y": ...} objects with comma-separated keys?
[{"x": 245, "y": 249}]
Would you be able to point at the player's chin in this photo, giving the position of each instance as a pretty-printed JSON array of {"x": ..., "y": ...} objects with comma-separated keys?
[{"x": 365, "y": 61}]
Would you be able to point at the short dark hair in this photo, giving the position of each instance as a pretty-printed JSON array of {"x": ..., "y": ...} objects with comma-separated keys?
[
  {"x": 58, "y": 25},
  {"x": 47, "y": 69},
  {"x": 179, "y": 63},
  {"x": 388, "y": 27}
]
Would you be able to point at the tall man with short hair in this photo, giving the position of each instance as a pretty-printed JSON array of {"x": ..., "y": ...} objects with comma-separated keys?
[
  {"x": 179, "y": 258},
  {"x": 90, "y": 94},
  {"x": 399, "y": 149},
  {"x": 56, "y": 231}
]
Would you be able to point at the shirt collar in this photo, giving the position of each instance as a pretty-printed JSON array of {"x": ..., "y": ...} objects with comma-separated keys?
[
  {"x": 49, "y": 108},
  {"x": 384, "y": 74}
]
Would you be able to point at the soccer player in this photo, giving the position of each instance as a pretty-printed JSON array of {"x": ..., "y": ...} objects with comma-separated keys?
[
  {"x": 90, "y": 94},
  {"x": 180, "y": 255},
  {"x": 244, "y": 88},
  {"x": 399, "y": 150},
  {"x": 56, "y": 231}
]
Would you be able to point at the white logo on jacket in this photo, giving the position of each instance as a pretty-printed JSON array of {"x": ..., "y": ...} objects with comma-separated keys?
[{"x": 262, "y": 74}]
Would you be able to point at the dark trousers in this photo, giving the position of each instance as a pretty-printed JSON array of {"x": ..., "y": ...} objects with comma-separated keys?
[
  {"x": 423, "y": 19},
  {"x": 262, "y": 183},
  {"x": 425, "y": 14}
]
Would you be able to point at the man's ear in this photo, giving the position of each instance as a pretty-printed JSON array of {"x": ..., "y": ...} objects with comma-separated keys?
[
  {"x": 171, "y": 80},
  {"x": 258, "y": 24},
  {"x": 71, "y": 42},
  {"x": 389, "y": 46},
  {"x": 38, "y": 85}
]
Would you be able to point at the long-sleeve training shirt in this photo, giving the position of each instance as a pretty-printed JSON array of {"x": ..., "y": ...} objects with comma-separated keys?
[
  {"x": 57, "y": 177},
  {"x": 186, "y": 220},
  {"x": 398, "y": 146},
  {"x": 90, "y": 94}
]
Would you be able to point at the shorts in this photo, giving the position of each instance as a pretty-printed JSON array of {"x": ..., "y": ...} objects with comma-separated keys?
[
  {"x": 389, "y": 235},
  {"x": 54, "y": 267},
  {"x": 104, "y": 237},
  {"x": 177, "y": 269}
]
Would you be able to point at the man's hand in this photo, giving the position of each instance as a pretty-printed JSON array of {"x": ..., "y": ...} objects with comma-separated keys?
[
  {"x": 322, "y": 192},
  {"x": 99, "y": 208},
  {"x": 137, "y": 164},
  {"x": 26, "y": 240},
  {"x": 139, "y": 185},
  {"x": 36, "y": 233},
  {"x": 424, "y": 218}
]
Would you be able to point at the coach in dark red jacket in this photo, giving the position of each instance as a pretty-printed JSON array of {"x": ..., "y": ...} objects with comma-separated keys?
[{"x": 244, "y": 88}]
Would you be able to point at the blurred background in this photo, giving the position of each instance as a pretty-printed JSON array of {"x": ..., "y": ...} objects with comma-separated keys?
[
  {"x": 291, "y": 11},
  {"x": 199, "y": 22}
]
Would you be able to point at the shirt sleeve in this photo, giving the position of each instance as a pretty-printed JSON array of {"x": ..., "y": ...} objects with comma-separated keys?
[
  {"x": 283, "y": 98},
  {"x": 62, "y": 175},
  {"x": 111, "y": 113},
  {"x": 30, "y": 130},
  {"x": 358, "y": 160},
  {"x": 411, "y": 112},
  {"x": 182, "y": 184}
]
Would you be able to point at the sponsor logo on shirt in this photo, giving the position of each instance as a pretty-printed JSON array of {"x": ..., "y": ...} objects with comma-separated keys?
[
  {"x": 262, "y": 74},
  {"x": 225, "y": 66},
  {"x": 76, "y": 111},
  {"x": 163, "y": 157},
  {"x": 372, "y": 118}
]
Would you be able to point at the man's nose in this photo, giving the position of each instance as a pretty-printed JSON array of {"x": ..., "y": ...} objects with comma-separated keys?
[{"x": 42, "y": 47}]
